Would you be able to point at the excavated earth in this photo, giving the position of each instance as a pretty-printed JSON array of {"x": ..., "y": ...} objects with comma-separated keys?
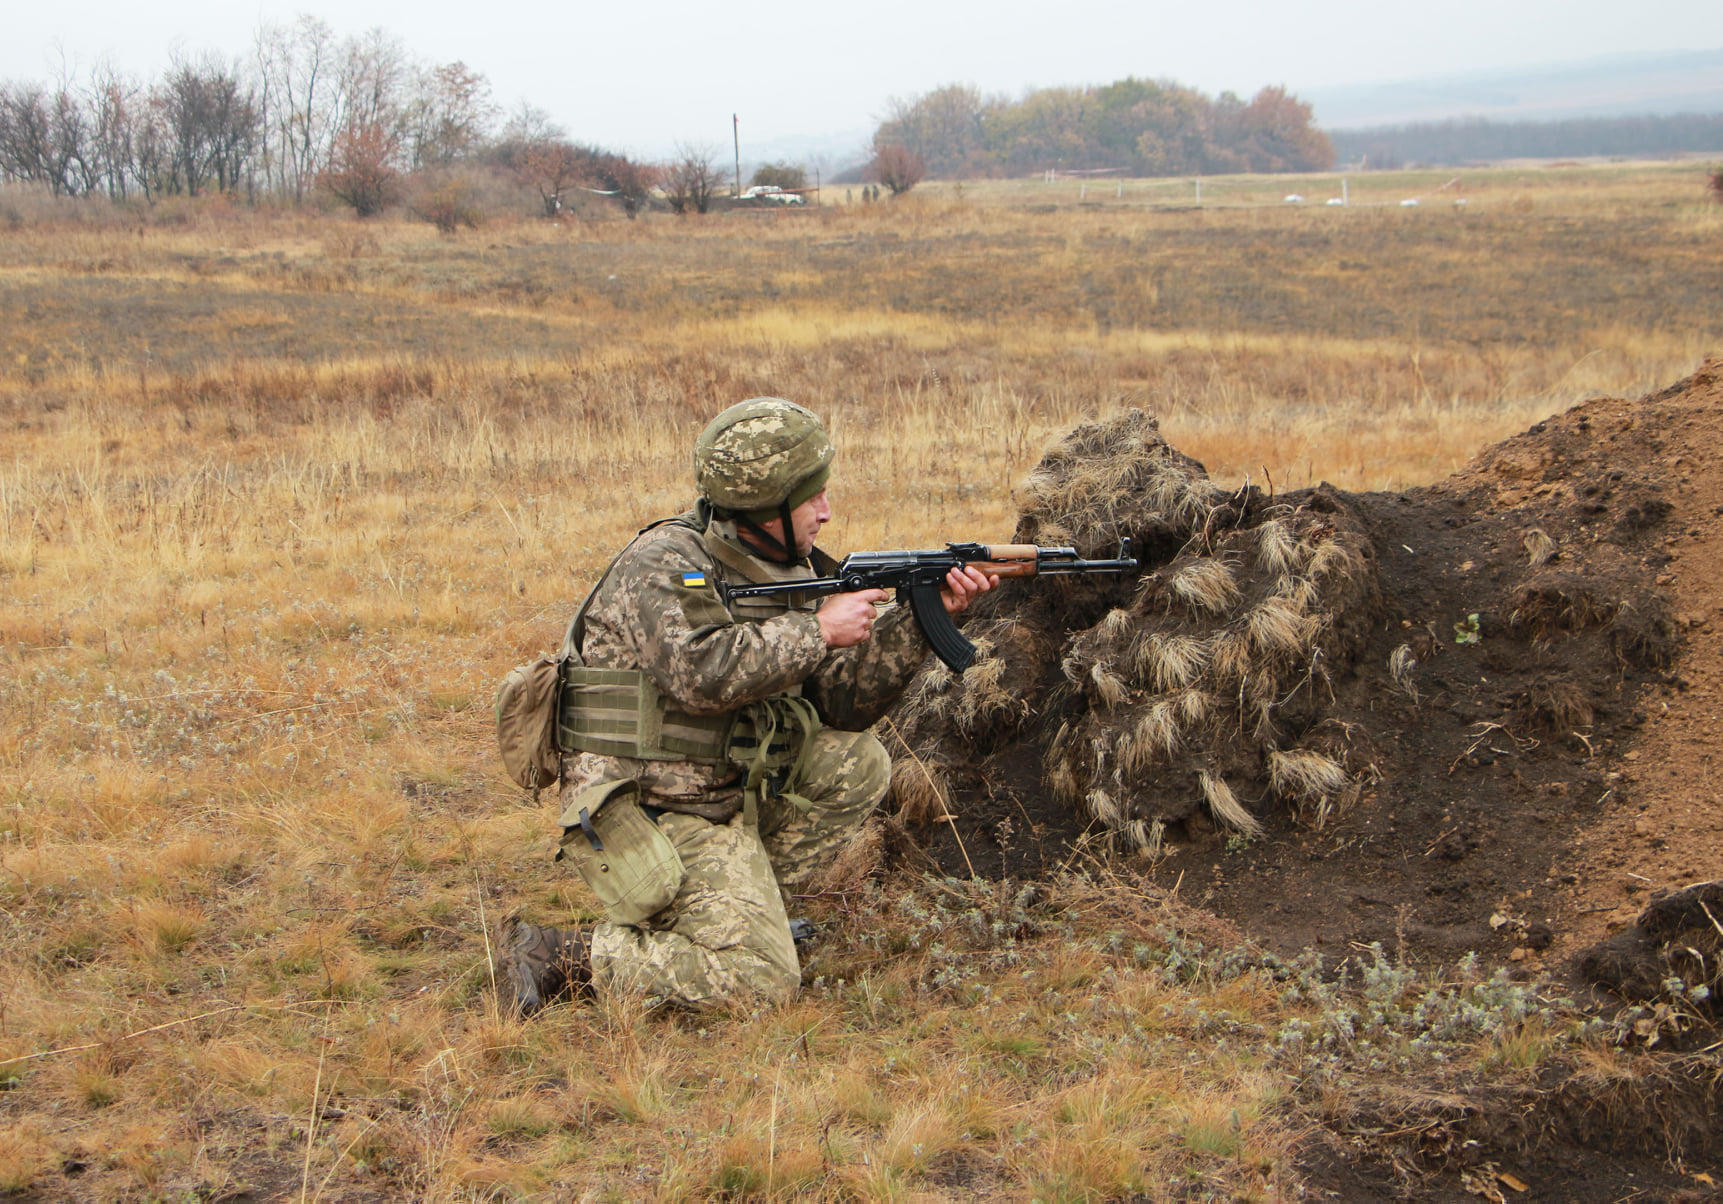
[{"x": 1482, "y": 716}]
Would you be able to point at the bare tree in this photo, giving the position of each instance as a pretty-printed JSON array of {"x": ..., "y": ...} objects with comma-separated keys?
[
  {"x": 372, "y": 83},
  {"x": 298, "y": 101},
  {"x": 944, "y": 128},
  {"x": 537, "y": 151},
  {"x": 449, "y": 116},
  {"x": 211, "y": 121},
  {"x": 693, "y": 178},
  {"x": 114, "y": 109},
  {"x": 787, "y": 176},
  {"x": 898, "y": 167},
  {"x": 71, "y": 162},
  {"x": 25, "y": 133}
]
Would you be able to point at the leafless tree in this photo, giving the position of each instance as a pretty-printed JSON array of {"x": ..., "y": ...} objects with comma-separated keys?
[
  {"x": 898, "y": 167},
  {"x": 693, "y": 178},
  {"x": 26, "y": 134},
  {"x": 114, "y": 108},
  {"x": 210, "y": 117},
  {"x": 449, "y": 115}
]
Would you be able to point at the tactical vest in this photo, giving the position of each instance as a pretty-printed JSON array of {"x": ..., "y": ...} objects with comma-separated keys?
[{"x": 622, "y": 713}]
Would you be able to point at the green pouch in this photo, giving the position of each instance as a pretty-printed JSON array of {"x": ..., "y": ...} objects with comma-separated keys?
[{"x": 630, "y": 865}]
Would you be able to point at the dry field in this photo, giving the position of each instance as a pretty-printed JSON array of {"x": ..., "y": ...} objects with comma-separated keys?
[{"x": 283, "y": 496}]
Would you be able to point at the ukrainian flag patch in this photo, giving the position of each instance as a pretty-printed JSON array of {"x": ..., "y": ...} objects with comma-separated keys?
[{"x": 693, "y": 580}]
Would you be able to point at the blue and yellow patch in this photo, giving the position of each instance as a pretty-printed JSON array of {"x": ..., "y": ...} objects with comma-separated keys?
[{"x": 693, "y": 580}]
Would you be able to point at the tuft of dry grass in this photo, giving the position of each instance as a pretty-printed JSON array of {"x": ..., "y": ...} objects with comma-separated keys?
[
  {"x": 1277, "y": 630},
  {"x": 1170, "y": 662},
  {"x": 1226, "y": 808},
  {"x": 1205, "y": 586},
  {"x": 1304, "y": 775},
  {"x": 1401, "y": 666},
  {"x": 1540, "y": 547},
  {"x": 1278, "y": 549}
]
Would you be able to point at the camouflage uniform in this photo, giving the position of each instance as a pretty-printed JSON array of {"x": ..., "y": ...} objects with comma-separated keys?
[{"x": 726, "y": 935}]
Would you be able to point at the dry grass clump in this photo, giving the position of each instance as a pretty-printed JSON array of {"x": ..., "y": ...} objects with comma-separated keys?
[
  {"x": 1113, "y": 478},
  {"x": 989, "y": 704},
  {"x": 1205, "y": 586},
  {"x": 1402, "y": 663},
  {"x": 1540, "y": 547},
  {"x": 1178, "y": 686},
  {"x": 1278, "y": 629},
  {"x": 1556, "y": 708},
  {"x": 1552, "y": 604},
  {"x": 1225, "y": 806},
  {"x": 1169, "y": 661}
]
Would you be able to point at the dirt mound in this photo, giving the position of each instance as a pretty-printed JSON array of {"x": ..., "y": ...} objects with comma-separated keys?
[{"x": 1477, "y": 716}]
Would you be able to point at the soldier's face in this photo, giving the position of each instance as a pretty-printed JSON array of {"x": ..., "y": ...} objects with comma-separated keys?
[{"x": 808, "y": 518}]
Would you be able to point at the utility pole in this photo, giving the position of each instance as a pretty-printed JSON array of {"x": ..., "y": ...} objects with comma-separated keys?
[{"x": 736, "y": 133}]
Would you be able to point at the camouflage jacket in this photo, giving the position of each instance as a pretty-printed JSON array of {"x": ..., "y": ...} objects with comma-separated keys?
[{"x": 659, "y": 610}]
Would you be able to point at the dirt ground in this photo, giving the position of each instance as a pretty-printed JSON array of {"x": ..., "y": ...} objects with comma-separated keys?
[{"x": 1528, "y": 689}]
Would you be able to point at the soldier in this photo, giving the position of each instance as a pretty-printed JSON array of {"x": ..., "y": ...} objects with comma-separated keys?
[{"x": 737, "y": 726}]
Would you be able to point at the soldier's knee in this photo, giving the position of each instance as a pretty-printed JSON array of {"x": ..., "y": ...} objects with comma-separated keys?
[{"x": 872, "y": 772}]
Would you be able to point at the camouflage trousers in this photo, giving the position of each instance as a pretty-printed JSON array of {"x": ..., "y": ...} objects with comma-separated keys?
[{"x": 726, "y": 935}]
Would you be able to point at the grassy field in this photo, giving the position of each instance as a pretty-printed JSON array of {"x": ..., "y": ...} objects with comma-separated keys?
[{"x": 283, "y": 496}]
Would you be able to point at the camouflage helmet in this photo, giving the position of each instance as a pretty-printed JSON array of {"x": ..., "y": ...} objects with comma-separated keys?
[{"x": 762, "y": 458}]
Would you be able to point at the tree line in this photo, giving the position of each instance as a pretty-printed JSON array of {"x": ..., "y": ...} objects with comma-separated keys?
[
  {"x": 1133, "y": 126},
  {"x": 1475, "y": 139},
  {"x": 357, "y": 117}
]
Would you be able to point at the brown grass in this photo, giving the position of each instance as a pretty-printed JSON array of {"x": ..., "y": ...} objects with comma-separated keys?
[{"x": 284, "y": 496}]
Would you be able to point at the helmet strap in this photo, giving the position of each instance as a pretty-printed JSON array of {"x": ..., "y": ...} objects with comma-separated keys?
[{"x": 777, "y": 550}]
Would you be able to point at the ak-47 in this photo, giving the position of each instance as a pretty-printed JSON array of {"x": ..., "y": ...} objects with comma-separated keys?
[{"x": 918, "y": 577}]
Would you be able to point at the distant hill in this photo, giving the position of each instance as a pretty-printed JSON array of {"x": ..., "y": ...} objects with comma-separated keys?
[{"x": 1613, "y": 86}]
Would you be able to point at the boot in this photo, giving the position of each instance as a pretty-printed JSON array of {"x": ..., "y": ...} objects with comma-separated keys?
[{"x": 535, "y": 965}]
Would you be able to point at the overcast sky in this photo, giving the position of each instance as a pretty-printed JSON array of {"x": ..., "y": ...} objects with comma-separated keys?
[{"x": 640, "y": 77}]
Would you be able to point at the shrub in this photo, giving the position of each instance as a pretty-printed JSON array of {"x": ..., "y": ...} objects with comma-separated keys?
[
  {"x": 898, "y": 168},
  {"x": 448, "y": 202},
  {"x": 783, "y": 175}
]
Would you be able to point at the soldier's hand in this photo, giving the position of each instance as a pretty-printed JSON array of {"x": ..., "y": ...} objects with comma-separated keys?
[
  {"x": 847, "y": 619},
  {"x": 962, "y": 586}
]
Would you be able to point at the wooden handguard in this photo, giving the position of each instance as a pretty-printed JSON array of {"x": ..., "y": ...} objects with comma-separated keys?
[{"x": 1009, "y": 560}]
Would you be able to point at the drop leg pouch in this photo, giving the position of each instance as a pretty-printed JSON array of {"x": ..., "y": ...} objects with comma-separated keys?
[{"x": 630, "y": 865}]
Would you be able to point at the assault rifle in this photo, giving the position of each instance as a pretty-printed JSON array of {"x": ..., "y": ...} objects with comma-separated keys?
[{"x": 918, "y": 577}]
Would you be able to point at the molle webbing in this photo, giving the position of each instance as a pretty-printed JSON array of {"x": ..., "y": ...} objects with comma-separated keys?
[{"x": 620, "y": 713}]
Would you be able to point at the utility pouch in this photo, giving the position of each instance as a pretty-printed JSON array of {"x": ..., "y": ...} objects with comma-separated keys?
[
  {"x": 526, "y": 722},
  {"x": 630, "y": 865}
]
